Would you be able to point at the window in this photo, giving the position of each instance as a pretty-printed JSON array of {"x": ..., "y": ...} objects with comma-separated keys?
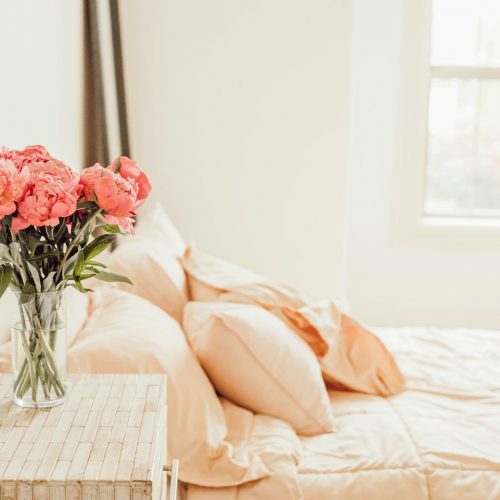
[{"x": 463, "y": 125}]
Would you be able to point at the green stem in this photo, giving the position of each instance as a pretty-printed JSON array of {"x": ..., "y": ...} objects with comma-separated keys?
[
  {"x": 31, "y": 366},
  {"x": 75, "y": 241}
]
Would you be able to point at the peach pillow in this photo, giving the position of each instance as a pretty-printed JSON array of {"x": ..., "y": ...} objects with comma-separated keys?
[
  {"x": 127, "y": 334},
  {"x": 151, "y": 260},
  {"x": 254, "y": 359},
  {"x": 350, "y": 355},
  {"x": 157, "y": 226}
]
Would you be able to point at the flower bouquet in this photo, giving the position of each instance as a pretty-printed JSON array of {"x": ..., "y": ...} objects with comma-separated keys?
[{"x": 48, "y": 215}]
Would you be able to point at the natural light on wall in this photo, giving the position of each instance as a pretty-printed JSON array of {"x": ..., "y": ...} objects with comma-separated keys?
[{"x": 463, "y": 141}]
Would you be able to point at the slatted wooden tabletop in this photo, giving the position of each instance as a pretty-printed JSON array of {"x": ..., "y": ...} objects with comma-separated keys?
[{"x": 107, "y": 441}]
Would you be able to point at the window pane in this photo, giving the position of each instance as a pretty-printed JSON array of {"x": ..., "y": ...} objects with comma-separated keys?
[
  {"x": 466, "y": 33},
  {"x": 463, "y": 165}
]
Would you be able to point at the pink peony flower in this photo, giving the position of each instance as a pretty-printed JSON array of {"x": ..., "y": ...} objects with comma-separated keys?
[
  {"x": 29, "y": 154},
  {"x": 139, "y": 180},
  {"x": 53, "y": 191},
  {"x": 115, "y": 195},
  {"x": 12, "y": 186},
  {"x": 88, "y": 178},
  {"x": 118, "y": 198}
]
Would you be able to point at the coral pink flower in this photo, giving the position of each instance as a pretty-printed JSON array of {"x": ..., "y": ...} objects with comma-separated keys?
[
  {"x": 53, "y": 192},
  {"x": 130, "y": 171},
  {"x": 88, "y": 178},
  {"x": 12, "y": 186},
  {"x": 118, "y": 198},
  {"x": 29, "y": 154},
  {"x": 115, "y": 195}
]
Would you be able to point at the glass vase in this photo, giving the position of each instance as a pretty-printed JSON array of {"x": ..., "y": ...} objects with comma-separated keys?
[{"x": 39, "y": 350}]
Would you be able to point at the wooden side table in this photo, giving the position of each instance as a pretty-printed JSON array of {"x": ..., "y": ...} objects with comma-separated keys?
[{"x": 108, "y": 441}]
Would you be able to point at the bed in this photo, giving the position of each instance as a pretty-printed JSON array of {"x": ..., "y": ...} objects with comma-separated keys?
[{"x": 440, "y": 439}]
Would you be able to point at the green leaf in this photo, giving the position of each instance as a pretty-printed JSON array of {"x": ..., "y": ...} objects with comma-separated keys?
[
  {"x": 5, "y": 276},
  {"x": 62, "y": 228},
  {"x": 70, "y": 263},
  {"x": 5, "y": 253},
  {"x": 80, "y": 262},
  {"x": 33, "y": 241},
  {"x": 113, "y": 277},
  {"x": 35, "y": 275},
  {"x": 95, "y": 263},
  {"x": 86, "y": 276},
  {"x": 111, "y": 228},
  {"x": 43, "y": 256},
  {"x": 48, "y": 281},
  {"x": 27, "y": 293},
  {"x": 86, "y": 204},
  {"x": 92, "y": 269},
  {"x": 98, "y": 245},
  {"x": 15, "y": 251},
  {"x": 80, "y": 287}
]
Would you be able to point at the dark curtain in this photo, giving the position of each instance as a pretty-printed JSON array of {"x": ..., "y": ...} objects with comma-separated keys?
[{"x": 96, "y": 147}]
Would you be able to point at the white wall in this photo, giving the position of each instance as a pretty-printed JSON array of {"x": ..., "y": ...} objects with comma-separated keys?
[
  {"x": 239, "y": 110},
  {"x": 41, "y": 49},
  {"x": 250, "y": 116}
]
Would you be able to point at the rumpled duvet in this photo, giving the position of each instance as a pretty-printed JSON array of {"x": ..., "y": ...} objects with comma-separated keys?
[{"x": 440, "y": 439}]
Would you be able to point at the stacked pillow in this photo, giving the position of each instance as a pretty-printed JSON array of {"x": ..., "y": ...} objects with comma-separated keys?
[{"x": 350, "y": 356}]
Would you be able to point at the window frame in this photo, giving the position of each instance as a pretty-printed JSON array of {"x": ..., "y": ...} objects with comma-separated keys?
[
  {"x": 412, "y": 227},
  {"x": 464, "y": 217}
]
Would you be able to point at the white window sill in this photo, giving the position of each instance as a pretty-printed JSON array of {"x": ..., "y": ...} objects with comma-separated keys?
[{"x": 461, "y": 222}]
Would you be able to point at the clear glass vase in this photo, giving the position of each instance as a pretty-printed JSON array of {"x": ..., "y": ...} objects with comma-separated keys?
[{"x": 39, "y": 350}]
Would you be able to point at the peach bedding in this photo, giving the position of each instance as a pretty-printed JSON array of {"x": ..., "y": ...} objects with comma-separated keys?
[{"x": 440, "y": 439}]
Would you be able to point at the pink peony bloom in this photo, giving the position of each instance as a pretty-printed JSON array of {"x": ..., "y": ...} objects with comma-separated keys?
[
  {"x": 130, "y": 171},
  {"x": 30, "y": 154},
  {"x": 88, "y": 178},
  {"x": 12, "y": 186},
  {"x": 53, "y": 191},
  {"x": 115, "y": 195}
]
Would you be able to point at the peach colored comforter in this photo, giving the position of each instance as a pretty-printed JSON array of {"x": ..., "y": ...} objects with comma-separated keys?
[{"x": 438, "y": 440}]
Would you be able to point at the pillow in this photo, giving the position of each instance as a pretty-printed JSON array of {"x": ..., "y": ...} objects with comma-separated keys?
[
  {"x": 150, "y": 260},
  {"x": 156, "y": 274},
  {"x": 126, "y": 334},
  {"x": 156, "y": 226},
  {"x": 257, "y": 361},
  {"x": 350, "y": 355},
  {"x": 213, "y": 279}
]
